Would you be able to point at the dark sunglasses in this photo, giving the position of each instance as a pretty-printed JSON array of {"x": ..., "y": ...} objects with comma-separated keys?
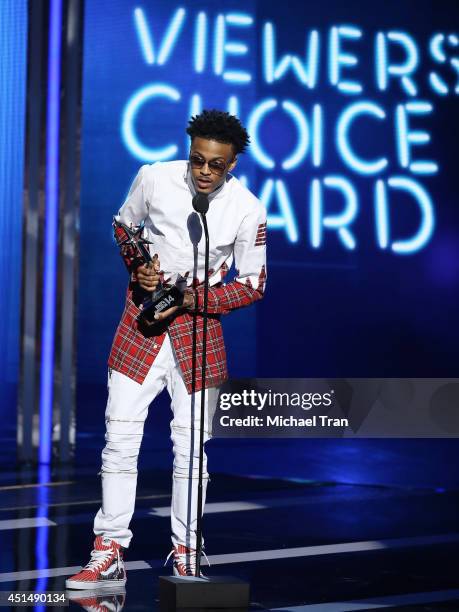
[{"x": 216, "y": 167}]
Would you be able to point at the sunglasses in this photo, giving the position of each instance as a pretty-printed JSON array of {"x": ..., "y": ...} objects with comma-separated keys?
[{"x": 216, "y": 167}]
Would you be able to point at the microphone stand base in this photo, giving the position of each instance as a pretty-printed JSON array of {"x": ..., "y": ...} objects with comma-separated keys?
[{"x": 222, "y": 592}]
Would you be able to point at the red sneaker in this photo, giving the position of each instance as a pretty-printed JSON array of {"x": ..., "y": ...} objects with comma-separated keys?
[
  {"x": 185, "y": 561},
  {"x": 105, "y": 568}
]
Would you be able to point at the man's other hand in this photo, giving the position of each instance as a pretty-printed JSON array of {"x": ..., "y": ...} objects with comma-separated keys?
[{"x": 188, "y": 302}]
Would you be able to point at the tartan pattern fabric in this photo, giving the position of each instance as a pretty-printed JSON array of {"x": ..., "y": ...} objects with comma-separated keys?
[
  {"x": 260, "y": 238},
  {"x": 223, "y": 299},
  {"x": 181, "y": 334},
  {"x": 132, "y": 353}
]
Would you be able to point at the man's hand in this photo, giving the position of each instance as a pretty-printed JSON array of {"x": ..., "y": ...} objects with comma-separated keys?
[
  {"x": 148, "y": 274},
  {"x": 188, "y": 302}
]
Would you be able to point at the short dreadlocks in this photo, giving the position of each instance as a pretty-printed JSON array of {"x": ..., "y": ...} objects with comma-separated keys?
[{"x": 220, "y": 126}]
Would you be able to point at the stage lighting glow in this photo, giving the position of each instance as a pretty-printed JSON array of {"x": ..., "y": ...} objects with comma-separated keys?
[
  {"x": 287, "y": 213},
  {"x": 303, "y": 135},
  {"x": 338, "y": 58},
  {"x": 455, "y": 65},
  {"x": 382, "y": 215},
  {"x": 317, "y": 135},
  {"x": 233, "y": 105},
  {"x": 420, "y": 167},
  {"x": 236, "y": 48},
  {"x": 418, "y": 107},
  {"x": 285, "y": 220},
  {"x": 195, "y": 105},
  {"x": 235, "y": 76},
  {"x": 171, "y": 36},
  {"x": 343, "y": 142},
  {"x": 268, "y": 52},
  {"x": 426, "y": 227},
  {"x": 131, "y": 110},
  {"x": 436, "y": 49},
  {"x": 340, "y": 49},
  {"x": 144, "y": 35},
  {"x": 337, "y": 222},
  {"x": 224, "y": 47},
  {"x": 403, "y": 70},
  {"x": 219, "y": 48},
  {"x": 406, "y": 137},
  {"x": 438, "y": 84},
  {"x": 200, "y": 45},
  {"x": 241, "y": 19},
  {"x": 306, "y": 74},
  {"x": 42, "y": 532},
  {"x": 315, "y": 218},
  {"x": 13, "y": 139},
  {"x": 340, "y": 222},
  {"x": 51, "y": 233},
  {"x": 402, "y": 139},
  {"x": 253, "y": 125},
  {"x": 381, "y": 61}
]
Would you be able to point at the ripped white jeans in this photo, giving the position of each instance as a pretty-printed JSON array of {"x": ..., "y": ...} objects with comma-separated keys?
[{"x": 127, "y": 409}]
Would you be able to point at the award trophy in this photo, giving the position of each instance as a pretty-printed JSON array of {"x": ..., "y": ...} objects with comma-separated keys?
[{"x": 134, "y": 249}]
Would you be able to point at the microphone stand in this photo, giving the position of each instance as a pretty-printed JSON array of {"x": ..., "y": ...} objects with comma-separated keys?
[
  {"x": 203, "y": 394},
  {"x": 219, "y": 592}
]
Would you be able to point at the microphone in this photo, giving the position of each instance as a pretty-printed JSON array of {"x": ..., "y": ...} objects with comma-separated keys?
[{"x": 201, "y": 203}]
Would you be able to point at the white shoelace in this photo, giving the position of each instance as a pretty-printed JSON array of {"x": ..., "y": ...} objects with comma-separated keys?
[
  {"x": 98, "y": 557},
  {"x": 188, "y": 558}
]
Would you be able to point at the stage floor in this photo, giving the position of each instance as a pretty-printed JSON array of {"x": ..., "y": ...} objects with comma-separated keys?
[{"x": 314, "y": 544}]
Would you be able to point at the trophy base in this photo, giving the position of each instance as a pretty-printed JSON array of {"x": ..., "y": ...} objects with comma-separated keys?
[{"x": 160, "y": 301}]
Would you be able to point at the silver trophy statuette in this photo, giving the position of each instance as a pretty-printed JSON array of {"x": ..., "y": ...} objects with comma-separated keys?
[{"x": 134, "y": 248}]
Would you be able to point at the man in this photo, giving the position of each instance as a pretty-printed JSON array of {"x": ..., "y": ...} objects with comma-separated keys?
[{"x": 143, "y": 359}]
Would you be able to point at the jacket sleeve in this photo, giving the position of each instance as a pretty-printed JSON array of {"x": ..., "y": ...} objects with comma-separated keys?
[
  {"x": 132, "y": 213},
  {"x": 250, "y": 261}
]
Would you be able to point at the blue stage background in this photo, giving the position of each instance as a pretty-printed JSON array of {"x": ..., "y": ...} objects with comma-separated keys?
[
  {"x": 352, "y": 111},
  {"x": 13, "y": 73}
]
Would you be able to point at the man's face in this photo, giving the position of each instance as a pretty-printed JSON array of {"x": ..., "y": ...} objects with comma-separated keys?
[{"x": 210, "y": 162}]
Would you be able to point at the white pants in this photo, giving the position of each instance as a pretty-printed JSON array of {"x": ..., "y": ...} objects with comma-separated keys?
[{"x": 127, "y": 409}]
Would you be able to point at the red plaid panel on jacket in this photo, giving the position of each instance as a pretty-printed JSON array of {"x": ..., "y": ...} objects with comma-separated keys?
[
  {"x": 133, "y": 353},
  {"x": 234, "y": 295}
]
